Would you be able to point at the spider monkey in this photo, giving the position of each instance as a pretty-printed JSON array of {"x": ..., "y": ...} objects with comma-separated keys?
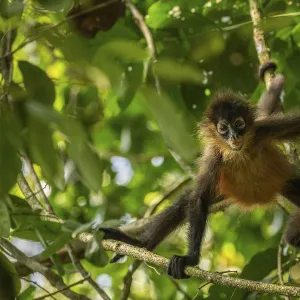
[{"x": 241, "y": 160}]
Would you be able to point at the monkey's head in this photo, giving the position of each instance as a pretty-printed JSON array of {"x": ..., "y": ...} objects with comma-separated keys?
[{"x": 232, "y": 117}]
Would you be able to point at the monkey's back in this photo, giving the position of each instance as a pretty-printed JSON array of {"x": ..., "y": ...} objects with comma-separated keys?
[{"x": 254, "y": 178}]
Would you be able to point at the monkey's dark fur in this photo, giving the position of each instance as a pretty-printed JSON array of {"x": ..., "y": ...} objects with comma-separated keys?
[{"x": 241, "y": 160}]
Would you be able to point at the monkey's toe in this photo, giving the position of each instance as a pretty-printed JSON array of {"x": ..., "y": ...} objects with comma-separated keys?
[
  {"x": 177, "y": 265},
  {"x": 116, "y": 258}
]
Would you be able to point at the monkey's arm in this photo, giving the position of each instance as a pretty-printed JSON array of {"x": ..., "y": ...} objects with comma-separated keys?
[
  {"x": 278, "y": 127},
  {"x": 202, "y": 198},
  {"x": 269, "y": 102}
]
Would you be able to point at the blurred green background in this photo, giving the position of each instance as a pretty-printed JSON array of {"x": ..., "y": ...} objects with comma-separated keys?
[{"x": 110, "y": 130}]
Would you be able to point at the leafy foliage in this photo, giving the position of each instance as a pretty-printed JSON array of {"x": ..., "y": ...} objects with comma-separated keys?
[{"x": 109, "y": 129}]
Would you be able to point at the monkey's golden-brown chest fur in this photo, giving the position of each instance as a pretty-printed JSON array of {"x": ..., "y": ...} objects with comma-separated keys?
[{"x": 253, "y": 178}]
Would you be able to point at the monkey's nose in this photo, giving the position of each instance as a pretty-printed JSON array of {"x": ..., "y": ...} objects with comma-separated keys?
[{"x": 236, "y": 143}]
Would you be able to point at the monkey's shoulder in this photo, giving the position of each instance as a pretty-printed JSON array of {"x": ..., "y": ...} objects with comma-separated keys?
[{"x": 254, "y": 177}]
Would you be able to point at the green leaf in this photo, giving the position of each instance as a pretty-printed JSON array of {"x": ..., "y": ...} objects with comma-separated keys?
[
  {"x": 112, "y": 70},
  {"x": 43, "y": 152},
  {"x": 9, "y": 160},
  {"x": 30, "y": 223},
  {"x": 125, "y": 50},
  {"x": 171, "y": 123},
  {"x": 55, "y": 5},
  {"x": 59, "y": 243},
  {"x": 95, "y": 253},
  {"x": 134, "y": 76},
  {"x": 5, "y": 220},
  {"x": 158, "y": 14},
  {"x": 254, "y": 270},
  {"x": 70, "y": 226},
  {"x": 178, "y": 72},
  {"x": 83, "y": 228},
  {"x": 37, "y": 83},
  {"x": 10, "y": 9},
  {"x": 76, "y": 48},
  {"x": 10, "y": 284},
  {"x": 88, "y": 163},
  {"x": 27, "y": 294}
]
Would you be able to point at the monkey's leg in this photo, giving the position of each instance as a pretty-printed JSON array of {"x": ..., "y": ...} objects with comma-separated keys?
[
  {"x": 291, "y": 191},
  {"x": 198, "y": 212},
  {"x": 156, "y": 231},
  {"x": 269, "y": 102}
]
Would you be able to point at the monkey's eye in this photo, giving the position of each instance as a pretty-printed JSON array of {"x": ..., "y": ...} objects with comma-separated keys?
[
  {"x": 222, "y": 128},
  {"x": 239, "y": 123}
]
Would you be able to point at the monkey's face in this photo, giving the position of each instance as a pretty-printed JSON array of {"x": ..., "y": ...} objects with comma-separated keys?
[{"x": 232, "y": 131}]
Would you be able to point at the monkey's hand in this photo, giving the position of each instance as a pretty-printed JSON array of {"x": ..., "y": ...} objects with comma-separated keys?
[
  {"x": 178, "y": 263},
  {"x": 118, "y": 235}
]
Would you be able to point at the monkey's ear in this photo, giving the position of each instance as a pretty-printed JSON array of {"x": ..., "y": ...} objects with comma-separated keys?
[{"x": 268, "y": 66}]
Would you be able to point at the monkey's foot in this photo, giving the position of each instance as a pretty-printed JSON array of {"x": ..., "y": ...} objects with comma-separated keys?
[{"x": 177, "y": 265}]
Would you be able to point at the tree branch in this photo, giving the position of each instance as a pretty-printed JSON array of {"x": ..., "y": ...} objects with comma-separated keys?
[
  {"x": 38, "y": 184},
  {"x": 217, "y": 278},
  {"x": 166, "y": 195},
  {"x": 34, "y": 265},
  {"x": 259, "y": 40},
  {"x": 66, "y": 288},
  {"x": 139, "y": 19},
  {"x": 84, "y": 273}
]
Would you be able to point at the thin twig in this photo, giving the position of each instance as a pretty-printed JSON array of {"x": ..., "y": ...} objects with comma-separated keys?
[
  {"x": 250, "y": 285},
  {"x": 180, "y": 289},
  {"x": 66, "y": 288},
  {"x": 140, "y": 21},
  {"x": 38, "y": 184},
  {"x": 77, "y": 264},
  {"x": 166, "y": 195},
  {"x": 34, "y": 265},
  {"x": 279, "y": 263},
  {"x": 39, "y": 286},
  {"x": 203, "y": 285},
  {"x": 28, "y": 194},
  {"x": 127, "y": 280}
]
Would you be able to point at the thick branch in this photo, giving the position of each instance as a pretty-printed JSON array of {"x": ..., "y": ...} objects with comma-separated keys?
[
  {"x": 149, "y": 257},
  {"x": 85, "y": 237},
  {"x": 34, "y": 265},
  {"x": 259, "y": 40}
]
